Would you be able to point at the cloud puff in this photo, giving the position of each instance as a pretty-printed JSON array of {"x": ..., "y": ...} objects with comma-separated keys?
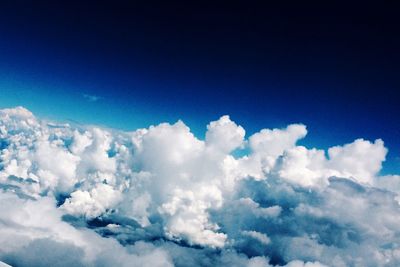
[
  {"x": 93, "y": 203},
  {"x": 162, "y": 197}
]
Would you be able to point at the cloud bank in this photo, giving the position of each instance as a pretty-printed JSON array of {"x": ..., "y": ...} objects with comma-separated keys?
[{"x": 87, "y": 196}]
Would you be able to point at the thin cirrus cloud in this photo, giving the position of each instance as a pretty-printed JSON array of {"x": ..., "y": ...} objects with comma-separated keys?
[
  {"x": 160, "y": 196},
  {"x": 92, "y": 98}
]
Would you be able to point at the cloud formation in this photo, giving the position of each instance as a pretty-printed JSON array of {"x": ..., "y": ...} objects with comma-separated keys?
[
  {"x": 92, "y": 98},
  {"x": 162, "y": 197}
]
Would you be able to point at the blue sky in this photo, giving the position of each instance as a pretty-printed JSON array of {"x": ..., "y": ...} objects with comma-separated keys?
[{"x": 334, "y": 71}]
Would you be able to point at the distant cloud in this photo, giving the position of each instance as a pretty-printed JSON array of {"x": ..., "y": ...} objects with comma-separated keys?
[
  {"x": 92, "y": 98},
  {"x": 162, "y": 197}
]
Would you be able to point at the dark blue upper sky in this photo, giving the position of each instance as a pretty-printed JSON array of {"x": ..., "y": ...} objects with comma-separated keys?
[{"x": 333, "y": 67}]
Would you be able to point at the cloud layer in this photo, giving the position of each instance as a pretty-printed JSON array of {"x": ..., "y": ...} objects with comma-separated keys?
[{"x": 159, "y": 196}]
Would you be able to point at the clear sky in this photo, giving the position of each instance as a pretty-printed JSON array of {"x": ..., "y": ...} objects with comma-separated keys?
[{"x": 132, "y": 65}]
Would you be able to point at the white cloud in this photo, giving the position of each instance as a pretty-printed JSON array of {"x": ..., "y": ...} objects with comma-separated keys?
[
  {"x": 260, "y": 237},
  {"x": 304, "y": 264},
  {"x": 34, "y": 235},
  {"x": 224, "y": 135},
  {"x": 272, "y": 143},
  {"x": 258, "y": 262},
  {"x": 361, "y": 160},
  {"x": 166, "y": 197},
  {"x": 92, "y": 203}
]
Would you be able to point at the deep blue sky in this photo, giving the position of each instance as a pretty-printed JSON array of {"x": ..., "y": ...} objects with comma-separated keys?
[{"x": 334, "y": 68}]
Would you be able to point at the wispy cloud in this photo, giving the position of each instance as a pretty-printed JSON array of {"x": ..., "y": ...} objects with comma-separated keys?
[{"x": 92, "y": 98}]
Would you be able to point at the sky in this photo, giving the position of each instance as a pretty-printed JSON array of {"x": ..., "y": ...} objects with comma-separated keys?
[
  {"x": 265, "y": 65},
  {"x": 199, "y": 134}
]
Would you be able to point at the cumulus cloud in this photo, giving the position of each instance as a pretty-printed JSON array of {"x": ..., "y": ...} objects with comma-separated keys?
[
  {"x": 162, "y": 197},
  {"x": 34, "y": 234},
  {"x": 93, "y": 203}
]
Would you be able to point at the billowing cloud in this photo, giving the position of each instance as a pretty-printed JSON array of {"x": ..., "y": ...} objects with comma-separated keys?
[{"x": 162, "y": 197}]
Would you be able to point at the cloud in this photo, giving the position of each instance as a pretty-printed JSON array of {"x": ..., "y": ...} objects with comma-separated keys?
[
  {"x": 33, "y": 234},
  {"x": 93, "y": 203},
  {"x": 260, "y": 237},
  {"x": 92, "y": 98},
  {"x": 162, "y": 197}
]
